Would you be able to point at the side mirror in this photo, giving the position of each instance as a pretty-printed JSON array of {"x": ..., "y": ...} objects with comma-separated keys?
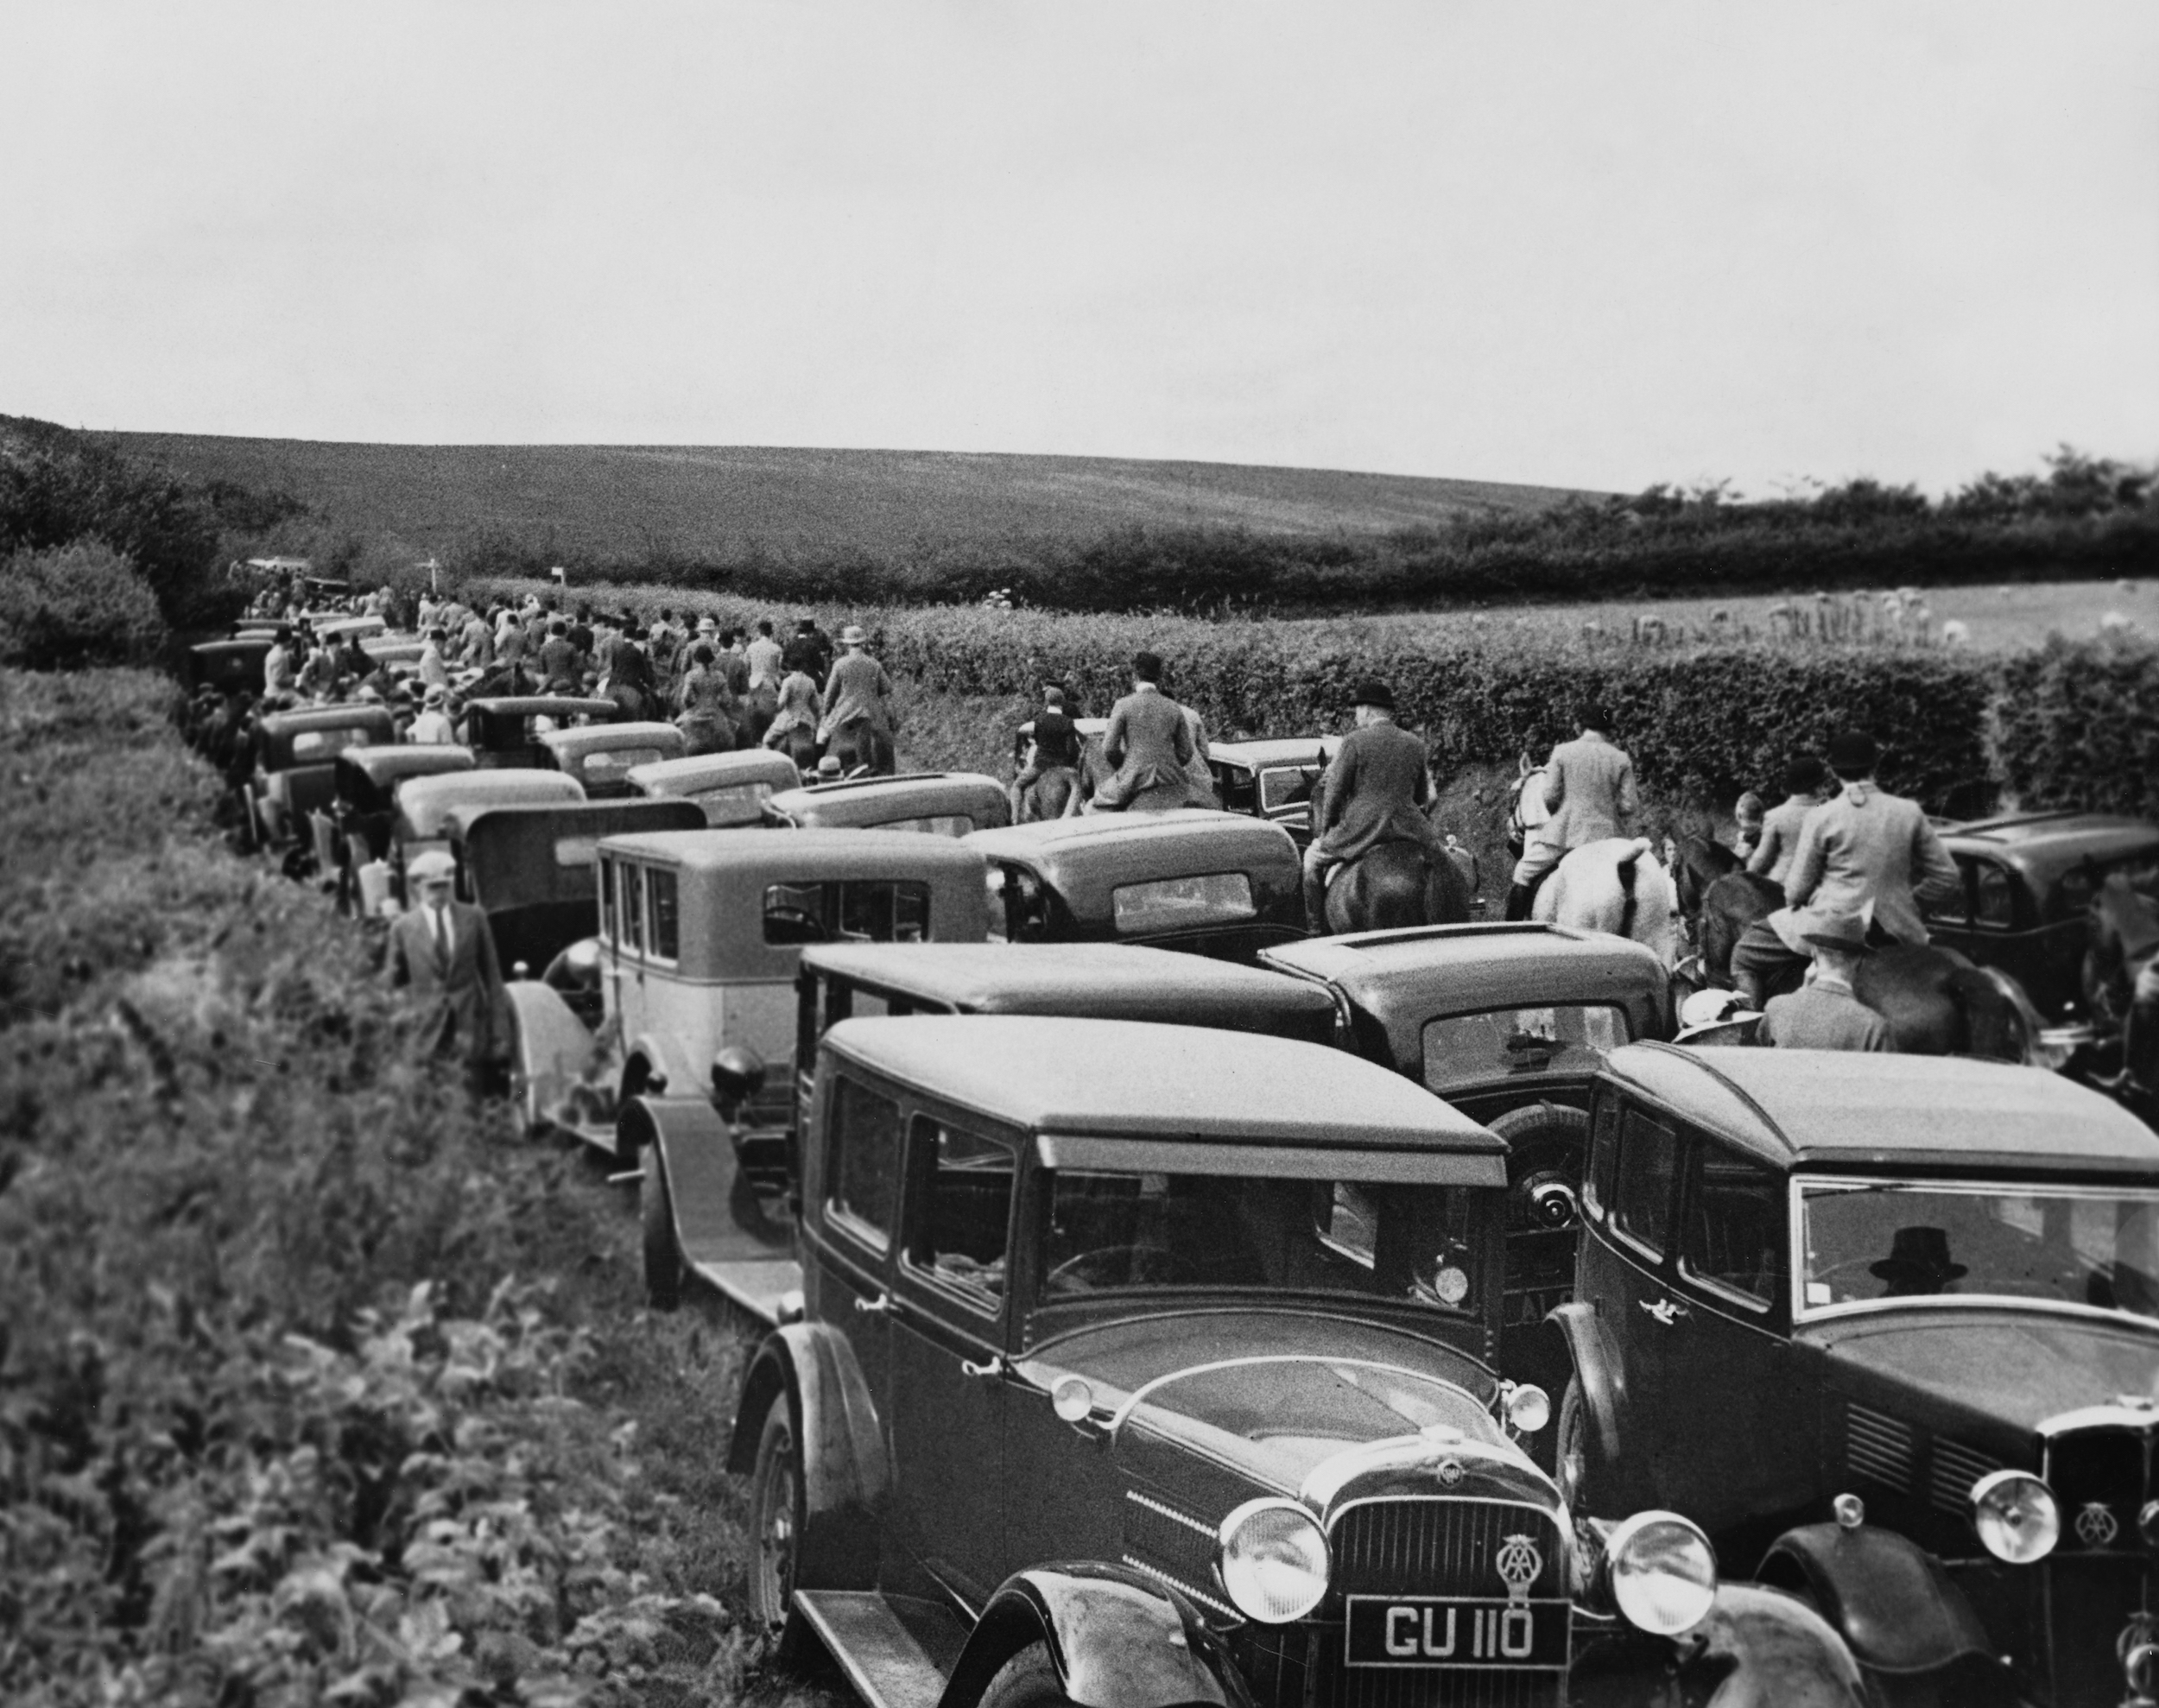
[{"x": 738, "y": 1076}]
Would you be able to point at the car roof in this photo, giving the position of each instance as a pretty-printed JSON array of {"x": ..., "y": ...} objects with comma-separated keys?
[
  {"x": 687, "y": 774},
  {"x": 926, "y": 793},
  {"x": 603, "y": 737},
  {"x": 1237, "y": 837},
  {"x": 241, "y": 643},
  {"x": 1274, "y": 750},
  {"x": 1134, "y": 1079},
  {"x": 2052, "y": 841},
  {"x": 1059, "y": 978},
  {"x": 1425, "y": 968},
  {"x": 425, "y": 802},
  {"x": 800, "y": 854},
  {"x": 1858, "y": 1110},
  {"x": 426, "y": 759},
  {"x": 552, "y": 706},
  {"x": 353, "y": 714}
]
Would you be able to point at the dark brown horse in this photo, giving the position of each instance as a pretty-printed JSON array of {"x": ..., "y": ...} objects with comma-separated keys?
[
  {"x": 1394, "y": 885},
  {"x": 1718, "y": 898}
]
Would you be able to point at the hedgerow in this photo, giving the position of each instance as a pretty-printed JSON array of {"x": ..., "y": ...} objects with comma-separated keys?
[
  {"x": 2079, "y": 726},
  {"x": 76, "y": 605}
]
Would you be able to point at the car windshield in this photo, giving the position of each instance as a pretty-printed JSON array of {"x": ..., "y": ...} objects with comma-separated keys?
[
  {"x": 1570, "y": 1039},
  {"x": 1869, "y": 1242},
  {"x": 1116, "y": 1231}
]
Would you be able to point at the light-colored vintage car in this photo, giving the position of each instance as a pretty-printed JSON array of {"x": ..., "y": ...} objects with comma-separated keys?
[
  {"x": 602, "y": 755},
  {"x": 424, "y": 807},
  {"x": 731, "y": 787},
  {"x": 942, "y": 803}
]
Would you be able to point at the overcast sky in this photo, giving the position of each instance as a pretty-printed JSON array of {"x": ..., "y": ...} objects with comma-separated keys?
[{"x": 1586, "y": 244}]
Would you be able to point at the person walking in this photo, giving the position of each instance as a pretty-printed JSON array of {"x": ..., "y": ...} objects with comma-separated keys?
[
  {"x": 859, "y": 722},
  {"x": 808, "y": 651},
  {"x": 1825, "y": 1014},
  {"x": 1867, "y": 852},
  {"x": 1149, "y": 744},
  {"x": 434, "y": 669},
  {"x": 762, "y": 696},
  {"x": 1376, "y": 790},
  {"x": 443, "y": 952},
  {"x": 1780, "y": 825},
  {"x": 279, "y": 670},
  {"x": 1589, "y": 790}
]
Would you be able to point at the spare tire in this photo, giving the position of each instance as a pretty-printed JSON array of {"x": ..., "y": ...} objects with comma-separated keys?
[{"x": 1547, "y": 1139}]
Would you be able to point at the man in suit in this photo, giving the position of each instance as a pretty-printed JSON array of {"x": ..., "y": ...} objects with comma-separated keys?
[
  {"x": 442, "y": 951},
  {"x": 1150, "y": 744},
  {"x": 1589, "y": 790},
  {"x": 1375, "y": 792},
  {"x": 1868, "y": 853},
  {"x": 1824, "y": 1014},
  {"x": 859, "y": 721}
]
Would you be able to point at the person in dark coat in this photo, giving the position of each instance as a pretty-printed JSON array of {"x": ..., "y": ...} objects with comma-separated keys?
[
  {"x": 561, "y": 666},
  {"x": 1150, "y": 743},
  {"x": 443, "y": 952},
  {"x": 629, "y": 676},
  {"x": 1376, "y": 790}
]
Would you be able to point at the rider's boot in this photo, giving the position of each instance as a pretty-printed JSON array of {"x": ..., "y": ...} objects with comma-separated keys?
[
  {"x": 1316, "y": 902},
  {"x": 1519, "y": 896}
]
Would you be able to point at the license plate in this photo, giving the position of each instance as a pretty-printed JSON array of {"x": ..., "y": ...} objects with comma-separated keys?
[{"x": 1455, "y": 1631}]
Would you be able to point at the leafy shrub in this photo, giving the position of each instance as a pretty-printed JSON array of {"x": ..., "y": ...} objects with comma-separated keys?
[
  {"x": 76, "y": 605},
  {"x": 2078, "y": 725}
]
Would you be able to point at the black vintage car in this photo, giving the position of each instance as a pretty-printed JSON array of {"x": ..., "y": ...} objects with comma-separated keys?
[
  {"x": 1889, "y": 1325},
  {"x": 229, "y": 667},
  {"x": 938, "y": 803},
  {"x": 294, "y": 771},
  {"x": 2028, "y": 881},
  {"x": 1272, "y": 778},
  {"x": 1509, "y": 1024},
  {"x": 1170, "y": 1386},
  {"x": 504, "y": 730},
  {"x": 363, "y": 814},
  {"x": 1203, "y": 881}
]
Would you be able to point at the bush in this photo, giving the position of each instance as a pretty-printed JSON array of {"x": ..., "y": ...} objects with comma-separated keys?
[
  {"x": 2078, "y": 725},
  {"x": 76, "y": 605}
]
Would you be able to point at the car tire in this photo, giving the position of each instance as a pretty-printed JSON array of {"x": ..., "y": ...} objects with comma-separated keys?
[
  {"x": 1571, "y": 1456},
  {"x": 777, "y": 1515},
  {"x": 665, "y": 1273},
  {"x": 1028, "y": 1680}
]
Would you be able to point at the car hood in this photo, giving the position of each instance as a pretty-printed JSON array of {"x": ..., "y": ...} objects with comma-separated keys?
[
  {"x": 1288, "y": 1402},
  {"x": 2012, "y": 1368}
]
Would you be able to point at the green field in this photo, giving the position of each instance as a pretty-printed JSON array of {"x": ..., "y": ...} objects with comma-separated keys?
[{"x": 620, "y": 502}]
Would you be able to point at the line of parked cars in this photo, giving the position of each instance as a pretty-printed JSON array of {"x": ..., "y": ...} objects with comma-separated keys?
[{"x": 1162, "y": 1307}]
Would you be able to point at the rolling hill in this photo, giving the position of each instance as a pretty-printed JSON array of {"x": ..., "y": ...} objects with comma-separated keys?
[{"x": 636, "y": 502}]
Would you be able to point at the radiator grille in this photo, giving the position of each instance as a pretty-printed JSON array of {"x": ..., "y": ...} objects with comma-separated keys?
[
  {"x": 1440, "y": 1546},
  {"x": 1280, "y": 1662},
  {"x": 1878, "y": 1446},
  {"x": 1955, "y": 1470}
]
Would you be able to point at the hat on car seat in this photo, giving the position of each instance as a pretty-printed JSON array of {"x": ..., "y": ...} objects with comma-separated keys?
[{"x": 1373, "y": 692}]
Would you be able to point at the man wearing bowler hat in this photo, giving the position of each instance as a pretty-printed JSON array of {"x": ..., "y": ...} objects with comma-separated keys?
[
  {"x": 1824, "y": 1014},
  {"x": 441, "y": 949},
  {"x": 1374, "y": 792},
  {"x": 1867, "y": 852}
]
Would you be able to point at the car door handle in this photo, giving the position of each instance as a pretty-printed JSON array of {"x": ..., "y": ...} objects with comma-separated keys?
[
  {"x": 992, "y": 1366},
  {"x": 881, "y": 1305},
  {"x": 1665, "y": 1310}
]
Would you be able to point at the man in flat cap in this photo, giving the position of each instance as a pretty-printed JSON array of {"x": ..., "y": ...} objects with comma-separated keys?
[
  {"x": 442, "y": 950},
  {"x": 1867, "y": 852},
  {"x": 1824, "y": 1014},
  {"x": 1150, "y": 743},
  {"x": 1374, "y": 791}
]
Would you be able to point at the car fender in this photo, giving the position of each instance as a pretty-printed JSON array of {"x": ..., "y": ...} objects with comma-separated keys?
[
  {"x": 845, "y": 1474},
  {"x": 1598, "y": 1368},
  {"x": 664, "y": 1056},
  {"x": 551, "y": 1051},
  {"x": 1889, "y": 1599},
  {"x": 718, "y": 1222},
  {"x": 1755, "y": 1647},
  {"x": 1117, "y": 1638}
]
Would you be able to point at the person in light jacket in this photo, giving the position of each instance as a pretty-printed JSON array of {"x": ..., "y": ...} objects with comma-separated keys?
[{"x": 1589, "y": 786}]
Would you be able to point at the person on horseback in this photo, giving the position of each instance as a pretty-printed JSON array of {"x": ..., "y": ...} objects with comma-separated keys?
[
  {"x": 1824, "y": 1014},
  {"x": 1867, "y": 852},
  {"x": 1589, "y": 786},
  {"x": 1053, "y": 745},
  {"x": 1376, "y": 790},
  {"x": 1772, "y": 856},
  {"x": 1150, "y": 744}
]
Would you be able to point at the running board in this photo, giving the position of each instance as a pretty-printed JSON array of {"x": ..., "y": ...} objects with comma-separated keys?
[
  {"x": 894, "y": 1657},
  {"x": 756, "y": 1286}
]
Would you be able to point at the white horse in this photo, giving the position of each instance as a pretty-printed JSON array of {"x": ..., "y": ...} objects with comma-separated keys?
[{"x": 1618, "y": 886}]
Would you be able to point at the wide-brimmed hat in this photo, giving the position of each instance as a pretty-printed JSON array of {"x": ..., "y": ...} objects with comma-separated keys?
[
  {"x": 1918, "y": 1254},
  {"x": 706, "y": 626},
  {"x": 431, "y": 867},
  {"x": 1374, "y": 692},
  {"x": 1853, "y": 753},
  {"x": 435, "y": 695},
  {"x": 851, "y": 635},
  {"x": 1839, "y": 931}
]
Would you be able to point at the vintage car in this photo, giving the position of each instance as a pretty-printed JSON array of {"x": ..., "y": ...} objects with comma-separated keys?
[
  {"x": 1271, "y": 779},
  {"x": 229, "y": 667},
  {"x": 1510, "y": 1024},
  {"x": 504, "y": 730},
  {"x": 731, "y": 787},
  {"x": 2029, "y": 880},
  {"x": 694, "y": 1202},
  {"x": 1208, "y": 882},
  {"x": 534, "y": 870},
  {"x": 1171, "y": 1386},
  {"x": 699, "y": 932},
  {"x": 295, "y": 759},
  {"x": 425, "y": 806},
  {"x": 601, "y": 755},
  {"x": 358, "y": 829},
  {"x": 942, "y": 803},
  {"x": 1889, "y": 1324}
]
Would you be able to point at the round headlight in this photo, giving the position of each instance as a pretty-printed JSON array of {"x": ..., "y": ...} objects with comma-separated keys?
[
  {"x": 1529, "y": 1408},
  {"x": 1663, "y": 1573},
  {"x": 2016, "y": 1516},
  {"x": 1273, "y": 1561}
]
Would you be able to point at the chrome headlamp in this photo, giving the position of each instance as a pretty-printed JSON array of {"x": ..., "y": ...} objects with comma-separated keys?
[
  {"x": 1663, "y": 1572},
  {"x": 1273, "y": 1558},
  {"x": 2016, "y": 1517}
]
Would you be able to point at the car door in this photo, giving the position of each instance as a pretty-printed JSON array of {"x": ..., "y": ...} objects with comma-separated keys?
[
  {"x": 949, "y": 1387},
  {"x": 856, "y": 1219}
]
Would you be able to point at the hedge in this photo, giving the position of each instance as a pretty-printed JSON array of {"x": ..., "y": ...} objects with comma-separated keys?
[{"x": 75, "y": 606}]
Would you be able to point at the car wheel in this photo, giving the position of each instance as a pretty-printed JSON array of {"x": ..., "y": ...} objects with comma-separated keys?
[
  {"x": 777, "y": 1515},
  {"x": 664, "y": 1272},
  {"x": 1572, "y": 1465},
  {"x": 1028, "y": 1680}
]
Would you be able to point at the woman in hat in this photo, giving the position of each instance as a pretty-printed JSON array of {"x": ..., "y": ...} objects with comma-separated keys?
[
  {"x": 708, "y": 707},
  {"x": 859, "y": 721},
  {"x": 793, "y": 727},
  {"x": 432, "y": 727}
]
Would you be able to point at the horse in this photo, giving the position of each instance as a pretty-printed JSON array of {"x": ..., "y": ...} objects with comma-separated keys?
[
  {"x": 1052, "y": 795},
  {"x": 1938, "y": 1003},
  {"x": 1616, "y": 886},
  {"x": 1393, "y": 885},
  {"x": 1719, "y": 899}
]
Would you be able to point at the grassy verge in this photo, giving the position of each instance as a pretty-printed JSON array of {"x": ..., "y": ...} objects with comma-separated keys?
[{"x": 316, "y": 1384}]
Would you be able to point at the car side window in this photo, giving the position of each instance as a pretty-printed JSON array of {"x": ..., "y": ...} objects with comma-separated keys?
[
  {"x": 1641, "y": 1197},
  {"x": 1604, "y": 1159},
  {"x": 862, "y": 1165},
  {"x": 1994, "y": 896},
  {"x": 667, "y": 923},
  {"x": 1732, "y": 1240},
  {"x": 633, "y": 906},
  {"x": 959, "y": 1231},
  {"x": 1957, "y": 909},
  {"x": 607, "y": 900}
]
